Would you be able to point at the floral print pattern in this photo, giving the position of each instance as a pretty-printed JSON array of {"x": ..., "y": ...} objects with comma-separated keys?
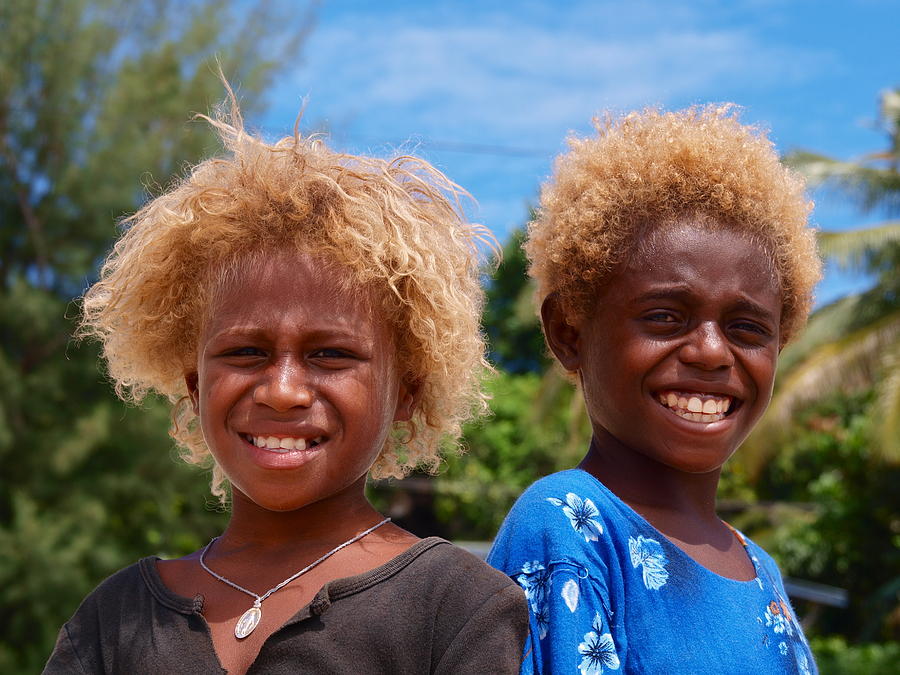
[
  {"x": 649, "y": 555},
  {"x": 778, "y": 617},
  {"x": 535, "y": 580},
  {"x": 598, "y": 650},
  {"x": 581, "y": 514}
]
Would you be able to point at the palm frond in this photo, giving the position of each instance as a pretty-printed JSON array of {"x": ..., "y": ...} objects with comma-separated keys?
[
  {"x": 869, "y": 186},
  {"x": 826, "y": 325},
  {"x": 889, "y": 407},
  {"x": 850, "y": 248},
  {"x": 848, "y": 364}
]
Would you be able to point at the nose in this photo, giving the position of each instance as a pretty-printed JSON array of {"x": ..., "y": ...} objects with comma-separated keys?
[
  {"x": 707, "y": 348},
  {"x": 285, "y": 385}
]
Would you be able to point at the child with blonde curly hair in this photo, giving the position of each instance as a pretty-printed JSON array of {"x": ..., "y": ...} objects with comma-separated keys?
[
  {"x": 673, "y": 262},
  {"x": 313, "y": 317}
]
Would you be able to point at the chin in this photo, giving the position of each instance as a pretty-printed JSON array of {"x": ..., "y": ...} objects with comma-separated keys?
[{"x": 699, "y": 465}]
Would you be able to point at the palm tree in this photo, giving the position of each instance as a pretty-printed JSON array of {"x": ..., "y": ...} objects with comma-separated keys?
[{"x": 853, "y": 343}]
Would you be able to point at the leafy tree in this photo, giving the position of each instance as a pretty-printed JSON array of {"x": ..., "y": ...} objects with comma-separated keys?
[
  {"x": 513, "y": 329},
  {"x": 94, "y": 94},
  {"x": 536, "y": 428},
  {"x": 847, "y": 534},
  {"x": 854, "y": 343}
]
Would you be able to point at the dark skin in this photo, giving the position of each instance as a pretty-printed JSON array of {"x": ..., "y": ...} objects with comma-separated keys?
[
  {"x": 290, "y": 356},
  {"x": 694, "y": 314}
]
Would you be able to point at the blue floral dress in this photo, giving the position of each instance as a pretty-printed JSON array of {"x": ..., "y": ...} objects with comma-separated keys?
[{"x": 609, "y": 593}]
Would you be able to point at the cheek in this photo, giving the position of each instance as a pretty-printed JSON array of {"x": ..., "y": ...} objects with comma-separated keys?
[
  {"x": 760, "y": 371},
  {"x": 765, "y": 377},
  {"x": 371, "y": 399}
]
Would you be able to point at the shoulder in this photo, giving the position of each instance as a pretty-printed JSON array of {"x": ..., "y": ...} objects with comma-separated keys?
[
  {"x": 447, "y": 606},
  {"x": 118, "y": 587},
  {"x": 131, "y": 592},
  {"x": 762, "y": 559},
  {"x": 445, "y": 565},
  {"x": 456, "y": 586},
  {"x": 561, "y": 483},
  {"x": 573, "y": 489},
  {"x": 557, "y": 517},
  {"x": 80, "y": 640},
  {"x": 482, "y": 619}
]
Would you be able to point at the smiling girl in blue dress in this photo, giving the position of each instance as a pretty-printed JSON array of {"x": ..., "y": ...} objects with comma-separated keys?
[{"x": 674, "y": 262}]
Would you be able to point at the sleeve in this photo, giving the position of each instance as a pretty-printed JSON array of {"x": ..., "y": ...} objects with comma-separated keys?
[
  {"x": 552, "y": 544},
  {"x": 491, "y": 640},
  {"x": 64, "y": 658},
  {"x": 569, "y": 620}
]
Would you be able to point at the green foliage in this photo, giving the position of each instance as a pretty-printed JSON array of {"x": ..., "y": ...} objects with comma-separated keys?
[
  {"x": 835, "y": 657},
  {"x": 88, "y": 485},
  {"x": 849, "y": 535},
  {"x": 95, "y": 95},
  {"x": 512, "y": 327},
  {"x": 535, "y": 429}
]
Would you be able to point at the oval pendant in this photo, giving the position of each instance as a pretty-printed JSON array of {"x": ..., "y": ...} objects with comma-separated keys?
[{"x": 247, "y": 623}]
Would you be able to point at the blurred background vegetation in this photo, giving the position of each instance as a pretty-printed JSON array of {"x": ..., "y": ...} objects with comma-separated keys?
[{"x": 95, "y": 94}]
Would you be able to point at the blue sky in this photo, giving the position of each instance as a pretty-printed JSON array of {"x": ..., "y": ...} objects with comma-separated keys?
[{"x": 488, "y": 91}]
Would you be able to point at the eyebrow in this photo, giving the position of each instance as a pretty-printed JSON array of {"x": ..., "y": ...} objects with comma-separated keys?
[
  {"x": 681, "y": 292},
  {"x": 261, "y": 333}
]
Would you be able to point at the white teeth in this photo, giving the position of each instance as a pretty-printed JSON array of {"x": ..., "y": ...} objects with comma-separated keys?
[
  {"x": 702, "y": 408},
  {"x": 698, "y": 417},
  {"x": 276, "y": 444}
]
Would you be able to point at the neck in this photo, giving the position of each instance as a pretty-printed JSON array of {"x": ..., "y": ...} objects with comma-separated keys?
[
  {"x": 650, "y": 488},
  {"x": 329, "y": 520}
]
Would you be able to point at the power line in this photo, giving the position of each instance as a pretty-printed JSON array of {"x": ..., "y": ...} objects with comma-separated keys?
[{"x": 457, "y": 146}]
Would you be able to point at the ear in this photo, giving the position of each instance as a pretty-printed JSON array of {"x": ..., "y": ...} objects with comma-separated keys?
[
  {"x": 192, "y": 381},
  {"x": 562, "y": 337},
  {"x": 407, "y": 401}
]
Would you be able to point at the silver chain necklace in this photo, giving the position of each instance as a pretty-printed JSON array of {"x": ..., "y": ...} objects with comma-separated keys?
[{"x": 250, "y": 619}]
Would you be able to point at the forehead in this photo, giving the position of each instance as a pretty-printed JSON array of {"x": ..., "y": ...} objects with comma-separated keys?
[
  {"x": 708, "y": 258},
  {"x": 291, "y": 286}
]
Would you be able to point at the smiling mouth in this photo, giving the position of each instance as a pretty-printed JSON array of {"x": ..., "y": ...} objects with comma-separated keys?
[
  {"x": 283, "y": 444},
  {"x": 697, "y": 406}
]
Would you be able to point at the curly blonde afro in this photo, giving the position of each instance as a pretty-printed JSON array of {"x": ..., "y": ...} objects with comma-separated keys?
[
  {"x": 651, "y": 169},
  {"x": 394, "y": 225}
]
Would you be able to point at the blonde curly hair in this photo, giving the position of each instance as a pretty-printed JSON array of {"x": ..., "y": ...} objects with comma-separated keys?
[
  {"x": 651, "y": 169},
  {"x": 395, "y": 225}
]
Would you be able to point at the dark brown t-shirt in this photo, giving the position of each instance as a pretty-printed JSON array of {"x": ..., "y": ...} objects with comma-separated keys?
[{"x": 433, "y": 609}]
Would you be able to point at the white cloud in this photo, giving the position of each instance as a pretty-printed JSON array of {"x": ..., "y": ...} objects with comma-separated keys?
[
  {"x": 523, "y": 74},
  {"x": 513, "y": 78}
]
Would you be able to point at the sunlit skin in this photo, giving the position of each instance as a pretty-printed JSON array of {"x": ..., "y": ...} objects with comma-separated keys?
[
  {"x": 694, "y": 314},
  {"x": 288, "y": 353}
]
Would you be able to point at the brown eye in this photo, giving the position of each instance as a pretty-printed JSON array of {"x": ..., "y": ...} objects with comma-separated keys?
[
  {"x": 750, "y": 327},
  {"x": 331, "y": 353},
  {"x": 245, "y": 351},
  {"x": 662, "y": 317}
]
